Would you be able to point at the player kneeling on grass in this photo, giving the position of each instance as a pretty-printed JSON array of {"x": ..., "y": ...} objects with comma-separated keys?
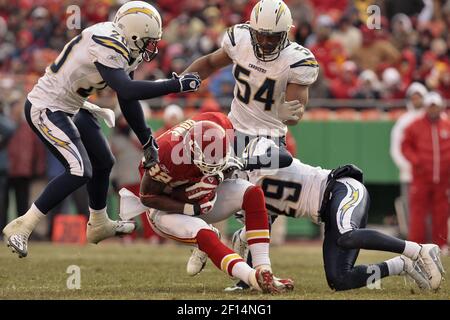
[
  {"x": 194, "y": 154},
  {"x": 338, "y": 199}
]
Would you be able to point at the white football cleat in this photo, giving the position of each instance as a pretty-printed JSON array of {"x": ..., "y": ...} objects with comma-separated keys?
[
  {"x": 238, "y": 245},
  {"x": 235, "y": 288},
  {"x": 283, "y": 285},
  {"x": 196, "y": 263},
  {"x": 415, "y": 272},
  {"x": 16, "y": 235},
  {"x": 197, "y": 260},
  {"x": 108, "y": 229},
  {"x": 429, "y": 260}
]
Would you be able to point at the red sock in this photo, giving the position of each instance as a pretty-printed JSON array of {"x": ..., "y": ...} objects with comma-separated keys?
[
  {"x": 256, "y": 218},
  {"x": 257, "y": 225},
  {"x": 223, "y": 257}
]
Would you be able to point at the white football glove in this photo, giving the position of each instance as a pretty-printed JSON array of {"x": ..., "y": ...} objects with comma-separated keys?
[
  {"x": 205, "y": 205},
  {"x": 290, "y": 110}
]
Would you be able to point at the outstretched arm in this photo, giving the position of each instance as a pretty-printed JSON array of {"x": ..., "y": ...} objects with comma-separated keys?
[
  {"x": 128, "y": 89},
  {"x": 207, "y": 65}
]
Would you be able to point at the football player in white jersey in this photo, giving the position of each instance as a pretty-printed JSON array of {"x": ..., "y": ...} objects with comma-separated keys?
[
  {"x": 339, "y": 199},
  {"x": 272, "y": 76},
  {"x": 105, "y": 54}
]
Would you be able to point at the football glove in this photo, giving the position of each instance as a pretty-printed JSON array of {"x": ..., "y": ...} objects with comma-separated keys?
[
  {"x": 150, "y": 153},
  {"x": 188, "y": 82},
  {"x": 205, "y": 205},
  {"x": 290, "y": 110},
  {"x": 205, "y": 188}
]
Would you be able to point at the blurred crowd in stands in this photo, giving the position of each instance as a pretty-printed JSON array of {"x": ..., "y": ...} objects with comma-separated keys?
[{"x": 412, "y": 44}]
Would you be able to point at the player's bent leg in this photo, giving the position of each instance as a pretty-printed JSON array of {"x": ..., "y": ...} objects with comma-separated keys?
[
  {"x": 99, "y": 226},
  {"x": 100, "y": 155},
  {"x": 345, "y": 219},
  {"x": 194, "y": 231},
  {"x": 197, "y": 260},
  {"x": 231, "y": 263},
  {"x": 62, "y": 138},
  {"x": 234, "y": 195}
]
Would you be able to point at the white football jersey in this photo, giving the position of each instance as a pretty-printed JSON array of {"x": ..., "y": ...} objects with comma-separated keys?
[
  {"x": 294, "y": 191},
  {"x": 73, "y": 77},
  {"x": 259, "y": 84}
]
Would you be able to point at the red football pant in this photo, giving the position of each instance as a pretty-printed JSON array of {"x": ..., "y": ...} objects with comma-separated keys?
[{"x": 425, "y": 198}]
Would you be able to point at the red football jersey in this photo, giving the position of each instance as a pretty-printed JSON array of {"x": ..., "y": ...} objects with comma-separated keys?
[{"x": 172, "y": 170}]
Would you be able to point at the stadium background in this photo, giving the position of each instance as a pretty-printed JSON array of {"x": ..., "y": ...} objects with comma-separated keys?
[{"x": 351, "y": 110}]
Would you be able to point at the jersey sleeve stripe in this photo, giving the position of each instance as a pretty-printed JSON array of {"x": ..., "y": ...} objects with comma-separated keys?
[
  {"x": 230, "y": 32},
  {"x": 113, "y": 44},
  {"x": 308, "y": 62}
]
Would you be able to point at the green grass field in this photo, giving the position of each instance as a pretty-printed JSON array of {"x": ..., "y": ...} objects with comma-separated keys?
[{"x": 141, "y": 271}]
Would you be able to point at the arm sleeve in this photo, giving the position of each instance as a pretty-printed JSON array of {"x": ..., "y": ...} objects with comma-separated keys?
[
  {"x": 133, "y": 113},
  {"x": 128, "y": 89}
]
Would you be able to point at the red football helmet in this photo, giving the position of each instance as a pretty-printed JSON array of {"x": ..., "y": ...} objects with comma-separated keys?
[{"x": 209, "y": 146}]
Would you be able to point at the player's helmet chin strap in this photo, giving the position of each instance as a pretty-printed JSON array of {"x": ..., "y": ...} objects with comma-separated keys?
[
  {"x": 143, "y": 44},
  {"x": 258, "y": 50},
  {"x": 208, "y": 169}
]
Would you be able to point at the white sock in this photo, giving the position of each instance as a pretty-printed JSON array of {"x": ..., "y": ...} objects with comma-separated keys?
[
  {"x": 395, "y": 265},
  {"x": 98, "y": 216},
  {"x": 242, "y": 271},
  {"x": 243, "y": 235},
  {"x": 32, "y": 217},
  {"x": 260, "y": 254},
  {"x": 412, "y": 250}
]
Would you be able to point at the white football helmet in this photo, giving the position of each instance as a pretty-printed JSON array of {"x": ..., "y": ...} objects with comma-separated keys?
[
  {"x": 141, "y": 26},
  {"x": 270, "y": 22}
]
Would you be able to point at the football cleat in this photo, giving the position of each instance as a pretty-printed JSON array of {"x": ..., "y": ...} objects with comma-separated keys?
[
  {"x": 416, "y": 273},
  {"x": 108, "y": 229},
  {"x": 283, "y": 285},
  {"x": 16, "y": 235},
  {"x": 239, "y": 286},
  {"x": 429, "y": 260},
  {"x": 262, "y": 280},
  {"x": 238, "y": 245},
  {"x": 197, "y": 262}
]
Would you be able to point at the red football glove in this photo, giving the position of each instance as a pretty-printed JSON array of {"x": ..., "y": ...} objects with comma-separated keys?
[{"x": 205, "y": 188}]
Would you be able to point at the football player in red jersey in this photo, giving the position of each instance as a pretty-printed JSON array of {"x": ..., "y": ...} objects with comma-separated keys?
[{"x": 195, "y": 154}]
